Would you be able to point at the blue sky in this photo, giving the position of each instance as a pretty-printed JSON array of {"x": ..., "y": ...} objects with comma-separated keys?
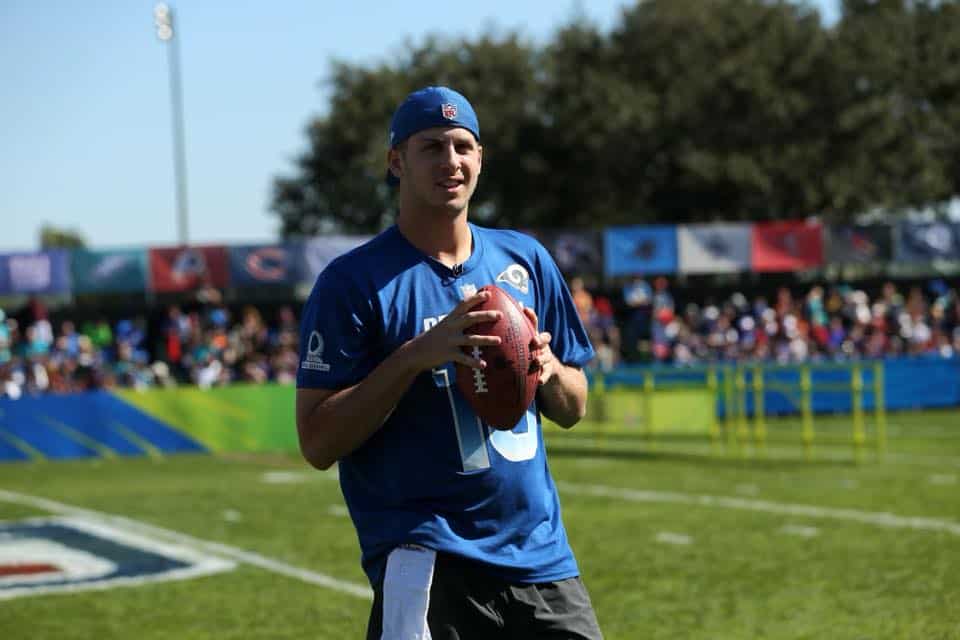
[{"x": 85, "y": 124}]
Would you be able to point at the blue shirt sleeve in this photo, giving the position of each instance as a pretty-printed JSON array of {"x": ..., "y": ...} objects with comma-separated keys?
[
  {"x": 558, "y": 315},
  {"x": 336, "y": 349}
]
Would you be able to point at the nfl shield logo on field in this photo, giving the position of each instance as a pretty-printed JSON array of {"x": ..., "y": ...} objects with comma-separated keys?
[{"x": 449, "y": 111}]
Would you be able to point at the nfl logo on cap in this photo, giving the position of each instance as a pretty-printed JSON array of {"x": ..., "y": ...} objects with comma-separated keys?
[{"x": 449, "y": 111}]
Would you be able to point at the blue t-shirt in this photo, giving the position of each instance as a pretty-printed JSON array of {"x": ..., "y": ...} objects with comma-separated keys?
[{"x": 434, "y": 474}]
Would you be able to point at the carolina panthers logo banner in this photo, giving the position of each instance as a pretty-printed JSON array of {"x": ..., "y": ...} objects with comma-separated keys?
[{"x": 640, "y": 250}]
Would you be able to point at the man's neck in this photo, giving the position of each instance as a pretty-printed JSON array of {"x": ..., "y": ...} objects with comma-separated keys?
[{"x": 447, "y": 239}]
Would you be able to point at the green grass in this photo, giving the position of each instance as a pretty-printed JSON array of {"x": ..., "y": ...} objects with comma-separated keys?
[{"x": 745, "y": 574}]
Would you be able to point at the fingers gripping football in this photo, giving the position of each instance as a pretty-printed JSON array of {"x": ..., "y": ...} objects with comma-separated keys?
[
  {"x": 542, "y": 359},
  {"x": 446, "y": 341}
]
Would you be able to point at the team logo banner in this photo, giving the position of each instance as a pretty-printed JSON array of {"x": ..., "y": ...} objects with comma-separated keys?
[
  {"x": 175, "y": 269},
  {"x": 575, "y": 252},
  {"x": 41, "y": 272},
  {"x": 265, "y": 264},
  {"x": 859, "y": 244},
  {"x": 117, "y": 270},
  {"x": 640, "y": 250},
  {"x": 59, "y": 555},
  {"x": 318, "y": 252},
  {"x": 927, "y": 241},
  {"x": 787, "y": 246},
  {"x": 714, "y": 248}
]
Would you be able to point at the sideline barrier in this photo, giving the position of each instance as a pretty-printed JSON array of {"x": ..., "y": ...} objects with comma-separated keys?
[{"x": 84, "y": 425}]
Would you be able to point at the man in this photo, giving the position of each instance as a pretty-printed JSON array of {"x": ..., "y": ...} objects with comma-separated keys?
[{"x": 459, "y": 524}]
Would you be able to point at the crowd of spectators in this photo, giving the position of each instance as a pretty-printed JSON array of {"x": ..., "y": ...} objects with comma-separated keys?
[
  {"x": 204, "y": 345},
  {"x": 210, "y": 344},
  {"x": 822, "y": 323}
]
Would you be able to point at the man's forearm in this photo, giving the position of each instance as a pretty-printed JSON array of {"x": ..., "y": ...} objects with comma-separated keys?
[
  {"x": 563, "y": 398},
  {"x": 346, "y": 419}
]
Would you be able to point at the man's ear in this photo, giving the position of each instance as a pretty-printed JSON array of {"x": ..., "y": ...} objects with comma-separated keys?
[
  {"x": 480, "y": 155},
  {"x": 394, "y": 162}
]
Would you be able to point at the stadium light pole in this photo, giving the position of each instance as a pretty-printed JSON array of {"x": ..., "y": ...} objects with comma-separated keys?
[{"x": 163, "y": 19}]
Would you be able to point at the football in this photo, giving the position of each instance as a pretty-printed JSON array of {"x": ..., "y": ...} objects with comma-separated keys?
[{"x": 501, "y": 393}]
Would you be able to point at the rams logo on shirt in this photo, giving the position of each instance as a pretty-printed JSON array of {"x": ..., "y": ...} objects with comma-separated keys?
[{"x": 517, "y": 277}]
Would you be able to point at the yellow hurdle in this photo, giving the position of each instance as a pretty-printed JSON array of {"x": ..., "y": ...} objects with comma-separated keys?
[
  {"x": 879, "y": 407},
  {"x": 648, "y": 387},
  {"x": 856, "y": 400},
  {"x": 806, "y": 410},
  {"x": 759, "y": 422}
]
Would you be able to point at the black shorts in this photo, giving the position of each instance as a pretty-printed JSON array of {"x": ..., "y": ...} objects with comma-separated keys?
[{"x": 429, "y": 595}]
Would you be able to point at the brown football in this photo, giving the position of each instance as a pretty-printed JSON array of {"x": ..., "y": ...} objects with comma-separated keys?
[{"x": 501, "y": 392}]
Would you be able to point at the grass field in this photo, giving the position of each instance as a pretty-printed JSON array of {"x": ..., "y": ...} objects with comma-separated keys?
[{"x": 676, "y": 538}]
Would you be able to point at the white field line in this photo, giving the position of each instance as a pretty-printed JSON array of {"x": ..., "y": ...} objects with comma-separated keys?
[
  {"x": 800, "y": 530},
  {"x": 875, "y": 518},
  {"x": 822, "y": 452},
  {"x": 667, "y": 537},
  {"x": 338, "y": 510},
  {"x": 215, "y": 548}
]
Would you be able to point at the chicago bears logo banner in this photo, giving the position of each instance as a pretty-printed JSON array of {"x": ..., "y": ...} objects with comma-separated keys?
[
  {"x": 174, "y": 269},
  {"x": 40, "y": 272},
  {"x": 787, "y": 245},
  {"x": 640, "y": 250},
  {"x": 254, "y": 265},
  {"x": 111, "y": 271},
  {"x": 714, "y": 248}
]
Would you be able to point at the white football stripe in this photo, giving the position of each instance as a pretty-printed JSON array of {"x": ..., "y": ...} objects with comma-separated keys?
[
  {"x": 875, "y": 518},
  {"x": 798, "y": 530},
  {"x": 673, "y": 538}
]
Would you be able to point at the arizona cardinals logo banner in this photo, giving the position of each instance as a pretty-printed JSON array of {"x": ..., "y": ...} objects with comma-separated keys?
[
  {"x": 640, "y": 250},
  {"x": 110, "y": 271},
  {"x": 859, "y": 244},
  {"x": 40, "y": 272},
  {"x": 714, "y": 248},
  {"x": 787, "y": 245},
  {"x": 927, "y": 241},
  {"x": 175, "y": 269},
  {"x": 254, "y": 265}
]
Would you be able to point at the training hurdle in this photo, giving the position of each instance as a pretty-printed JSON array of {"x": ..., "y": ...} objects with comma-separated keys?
[{"x": 740, "y": 398}]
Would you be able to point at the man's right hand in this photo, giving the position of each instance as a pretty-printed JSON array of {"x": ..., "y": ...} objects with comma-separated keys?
[{"x": 445, "y": 341}]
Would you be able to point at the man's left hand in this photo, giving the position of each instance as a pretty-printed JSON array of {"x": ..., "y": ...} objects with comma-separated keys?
[{"x": 543, "y": 358}]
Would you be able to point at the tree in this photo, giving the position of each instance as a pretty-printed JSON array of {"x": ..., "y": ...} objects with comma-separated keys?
[
  {"x": 687, "y": 110},
  {"x": 52, "y": 237},
  {"x": 890, "y": 140},
  {"x": 340, "y": 180}
]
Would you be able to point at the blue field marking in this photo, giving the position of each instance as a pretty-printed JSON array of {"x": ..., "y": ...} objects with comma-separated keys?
[
  {"x": 84, "y": 425},
  {"x": 74, "y": 411},
  {"x": 165, "y": 438},
  {"x": 8, "y": 452},
  {"x": 20, "y": 420}
]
